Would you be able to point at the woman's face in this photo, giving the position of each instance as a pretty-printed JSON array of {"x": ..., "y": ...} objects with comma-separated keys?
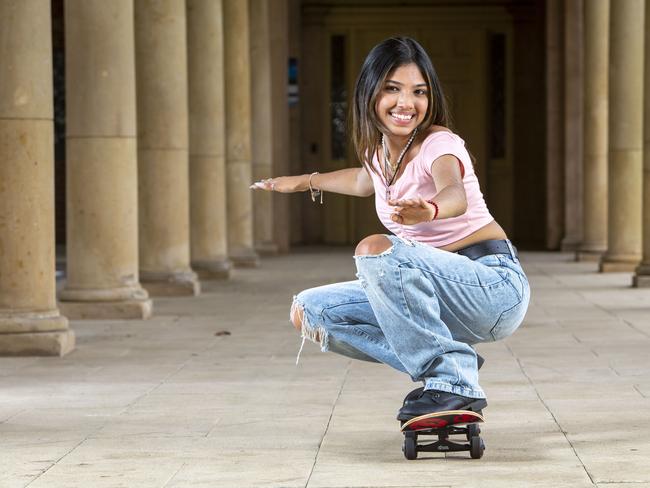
[{"x": 402, "y": 102}]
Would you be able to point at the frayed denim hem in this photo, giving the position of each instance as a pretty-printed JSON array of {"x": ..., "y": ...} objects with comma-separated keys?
[{"x": 316, "y": 334}]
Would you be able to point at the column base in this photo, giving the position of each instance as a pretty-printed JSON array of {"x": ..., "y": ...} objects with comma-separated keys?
[
  {"x": 569, "y": 246},
  {"x": 589, "y": 256},
  {"x": 218, "y": 269},
  {"x": 642, "y": 281},
  {"x": 35, "y": 334},
  {"x": 267, "y": 248},
  {"x": 128, "y": 302},
  {"x": 170, "y": 284},
  {"x": 37, "y": 344},
  {"x": 641, "y": 278},
  {"x": 244, "y": 258},
  {"x": 619, "y": 264},
  {"x": 92, "y": 310}
]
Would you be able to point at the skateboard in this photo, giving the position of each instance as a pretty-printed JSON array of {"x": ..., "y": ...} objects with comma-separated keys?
[{"x": 444, "y": 424}]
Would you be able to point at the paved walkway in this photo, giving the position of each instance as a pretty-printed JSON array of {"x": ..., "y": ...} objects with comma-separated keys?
[{"x": 176, "y": 401}]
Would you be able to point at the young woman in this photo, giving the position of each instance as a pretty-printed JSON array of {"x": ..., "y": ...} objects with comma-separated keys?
[{"x": 447, "y": 276}]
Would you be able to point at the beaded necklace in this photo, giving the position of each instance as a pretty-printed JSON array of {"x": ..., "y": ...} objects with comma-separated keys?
[{"x": 398, "y": 163}]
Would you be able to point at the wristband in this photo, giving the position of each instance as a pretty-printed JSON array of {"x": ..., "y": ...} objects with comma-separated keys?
[
  {"x": 435, "y": 205},
  {"x": 314, "y": 191}
]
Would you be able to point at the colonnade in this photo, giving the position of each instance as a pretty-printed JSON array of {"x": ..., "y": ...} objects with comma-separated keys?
[
  {"x": 30, "y": 322},
  {"x": 159, "y": 158},
  {"x": 174, "y": 106},
  {"x": 604, "y": 184}
]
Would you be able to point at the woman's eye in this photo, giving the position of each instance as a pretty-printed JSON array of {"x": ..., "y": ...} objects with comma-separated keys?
[
  {"x": 392, "y": 88},
  {"x": 420, "y": 92}
]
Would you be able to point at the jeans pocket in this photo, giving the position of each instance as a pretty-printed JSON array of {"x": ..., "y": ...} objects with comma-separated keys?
[
  {"x": 509, "y": 321},
  {"x": 515, "y": 275},
  {"x": 493, "y": 262}
]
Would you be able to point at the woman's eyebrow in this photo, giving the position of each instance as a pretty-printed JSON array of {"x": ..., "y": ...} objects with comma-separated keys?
[{"x": 398, "y": 83}]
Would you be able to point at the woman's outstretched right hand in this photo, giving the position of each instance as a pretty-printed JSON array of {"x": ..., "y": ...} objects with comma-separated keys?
[{"x": 283, "y": 184}]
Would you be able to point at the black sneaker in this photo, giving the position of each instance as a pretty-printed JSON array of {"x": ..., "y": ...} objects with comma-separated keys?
[
  {"x": 415, "y": 394},
  {"x": 431, "y": 401}
]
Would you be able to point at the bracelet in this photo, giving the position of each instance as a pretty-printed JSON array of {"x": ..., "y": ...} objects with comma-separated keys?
[
  {"x": 435, "y": 205},
  {"x": 315, "y": 192}
]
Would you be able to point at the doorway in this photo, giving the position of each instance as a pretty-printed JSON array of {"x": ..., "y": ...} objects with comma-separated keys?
[{"x": 470, "y": 48}]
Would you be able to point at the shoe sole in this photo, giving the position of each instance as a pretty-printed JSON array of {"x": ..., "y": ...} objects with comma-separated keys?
[{"x": 476, "y": 406}]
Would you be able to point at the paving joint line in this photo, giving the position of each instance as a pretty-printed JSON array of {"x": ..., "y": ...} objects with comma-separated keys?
[
  {"x": 58, "y": 460},
  {"x": 89, "y": 435},
  {"x": 150, "y": 390},
  {"x": 125, "y": 409},
  {"x": 174, "y": 475},
  {"x": 613, "y": 314},
  {"x": 15, "y": 414},
  {"x": 329, "y": 421},
  {"x": 521, "y": 367}
]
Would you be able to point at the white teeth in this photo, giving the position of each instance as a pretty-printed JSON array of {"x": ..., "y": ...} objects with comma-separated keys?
[{"x": 402, "y": 117}]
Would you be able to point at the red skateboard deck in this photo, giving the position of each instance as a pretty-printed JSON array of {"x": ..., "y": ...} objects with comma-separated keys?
[{"x": 438, "y": 420}]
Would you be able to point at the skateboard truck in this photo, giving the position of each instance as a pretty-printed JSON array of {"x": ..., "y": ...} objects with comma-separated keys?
[{"x": 443, "y": 425}]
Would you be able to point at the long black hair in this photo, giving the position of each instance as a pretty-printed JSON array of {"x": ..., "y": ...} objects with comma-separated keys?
[{"x": 381, "y": 61}]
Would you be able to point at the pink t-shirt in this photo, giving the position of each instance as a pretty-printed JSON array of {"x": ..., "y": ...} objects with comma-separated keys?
[{"x": 417, "y": 180}]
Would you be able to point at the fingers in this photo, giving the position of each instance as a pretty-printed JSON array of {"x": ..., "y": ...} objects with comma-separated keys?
[
  {"x": 407, "y": 202},
  {"x": 267, "y": 184},
  {"x": 409, "y": 211}
]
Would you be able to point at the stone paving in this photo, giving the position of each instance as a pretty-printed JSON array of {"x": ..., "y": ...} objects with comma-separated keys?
[{"x": 207, "y": 394}]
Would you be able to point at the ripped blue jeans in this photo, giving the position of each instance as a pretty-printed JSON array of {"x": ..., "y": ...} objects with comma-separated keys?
[{"x": 419, "y": 309}]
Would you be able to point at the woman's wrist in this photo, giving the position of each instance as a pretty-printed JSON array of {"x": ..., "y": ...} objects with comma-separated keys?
[
  {"x": 315, "y": 191},
  {"x": 434, "y": 210},
  {"x": 304, "y": 183}
]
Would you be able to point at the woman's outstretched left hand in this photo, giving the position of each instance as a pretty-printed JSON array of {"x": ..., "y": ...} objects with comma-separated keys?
[
  {"x": 410, "y": 211},
  {"x": 283, "y": 184}
]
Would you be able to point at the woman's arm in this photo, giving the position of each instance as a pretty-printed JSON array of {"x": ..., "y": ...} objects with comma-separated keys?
[
  {"x": 450, "y": 199},
  {"x": 349, "y": 181}
]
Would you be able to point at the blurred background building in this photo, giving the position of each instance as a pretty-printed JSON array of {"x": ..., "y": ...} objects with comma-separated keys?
[{"x": 130, "y": 131}]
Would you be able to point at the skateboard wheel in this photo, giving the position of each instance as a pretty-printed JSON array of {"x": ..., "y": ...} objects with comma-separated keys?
[
  {"x": 410, "y": 447},
  {"x": 473, "y": 430},
  {"x": 476, "y": 447}
]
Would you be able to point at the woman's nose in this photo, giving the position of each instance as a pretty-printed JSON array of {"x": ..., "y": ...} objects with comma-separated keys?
[{"x": 405, "y": 100}]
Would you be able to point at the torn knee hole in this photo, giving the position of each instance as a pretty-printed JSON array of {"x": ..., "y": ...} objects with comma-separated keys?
[
  {"x": 373, "y": 245},
  {"x": 297, "y": 314}
]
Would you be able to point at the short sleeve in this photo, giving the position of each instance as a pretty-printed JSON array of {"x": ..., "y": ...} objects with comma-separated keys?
[{"x": 442, "y": 143}]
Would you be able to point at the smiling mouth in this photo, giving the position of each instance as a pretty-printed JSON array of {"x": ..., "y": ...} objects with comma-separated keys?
[{"x": 402, "y": 117}]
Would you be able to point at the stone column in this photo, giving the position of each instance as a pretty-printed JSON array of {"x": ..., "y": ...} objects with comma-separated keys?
[
  {"x": 208, "y": 233},
  {"x": 625, "y": 136},
  {"x": 279, "y": 22},
  {"x": 642, "y": 276},
  {"x": 596, "y": 72},
  {"x": 573, "y": 76},
  {"x": 262, "y": 128},
  {"x": 554, "y": 124},
  {"x": 163, "y": 165},
  {"x": 30, "y": 323},
  {"x": 101, "y": 172},
  {"x": 238, "y": 134}
]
